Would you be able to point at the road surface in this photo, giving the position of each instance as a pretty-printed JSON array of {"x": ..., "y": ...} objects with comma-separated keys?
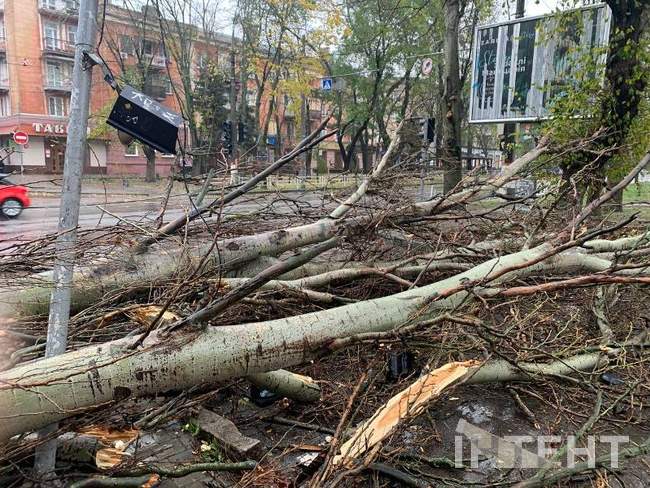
[{"x": 42, "y": 217}]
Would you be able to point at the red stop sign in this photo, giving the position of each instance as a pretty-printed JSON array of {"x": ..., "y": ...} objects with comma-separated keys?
[{"x": 21, "y": 138}]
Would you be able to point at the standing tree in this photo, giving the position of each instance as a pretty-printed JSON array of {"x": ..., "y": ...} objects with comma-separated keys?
[
  {"x": 211, "y": 98},
  {"x": 451, "y": 153}
]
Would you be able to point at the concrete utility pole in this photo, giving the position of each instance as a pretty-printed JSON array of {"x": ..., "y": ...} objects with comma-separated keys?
[
  {"x": 75, "y": 155},
  {"x": 234, "y": 122}
]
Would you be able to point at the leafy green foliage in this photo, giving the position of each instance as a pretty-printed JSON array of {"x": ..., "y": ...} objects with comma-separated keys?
[{"x": 210, "y": 101}]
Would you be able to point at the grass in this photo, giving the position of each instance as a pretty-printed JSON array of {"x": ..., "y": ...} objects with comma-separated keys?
[{"x": 637, "y": 193}]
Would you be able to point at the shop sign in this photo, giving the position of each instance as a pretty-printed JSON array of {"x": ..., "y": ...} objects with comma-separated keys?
[{"x": 40, "y": 128}]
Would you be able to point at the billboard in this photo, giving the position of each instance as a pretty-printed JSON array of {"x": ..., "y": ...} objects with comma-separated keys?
[{"x": 519, "y": 66}]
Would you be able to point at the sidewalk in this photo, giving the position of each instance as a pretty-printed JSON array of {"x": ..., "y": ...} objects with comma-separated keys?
[{"x": 49, "y": 186}]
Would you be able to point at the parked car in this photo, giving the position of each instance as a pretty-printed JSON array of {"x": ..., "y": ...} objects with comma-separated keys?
[{"x": 13, "y": 198}]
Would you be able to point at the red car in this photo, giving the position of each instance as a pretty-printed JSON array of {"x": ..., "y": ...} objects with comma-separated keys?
[{"x": 13, "y": 198}]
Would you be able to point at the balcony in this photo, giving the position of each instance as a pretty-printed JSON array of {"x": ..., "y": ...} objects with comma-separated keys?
[
  {"x": 58, "y": 47},
  {"x": 58, "y": 85},
  {"x": 59, "y": 9},
  {"x": 157, "y": 61}
]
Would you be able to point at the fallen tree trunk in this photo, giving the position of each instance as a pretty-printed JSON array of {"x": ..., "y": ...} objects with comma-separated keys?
[
  {"x": 39, "y": 393},
  {"x": 143, "y": 269}
]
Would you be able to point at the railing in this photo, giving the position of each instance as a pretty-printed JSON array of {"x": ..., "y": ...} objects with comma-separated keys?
[
  {"x": 59, "y": 85},
  {"x": 59, "y": 7},
  {"x": 58, "y": 46},
  {"x": 158, "y": 61}
]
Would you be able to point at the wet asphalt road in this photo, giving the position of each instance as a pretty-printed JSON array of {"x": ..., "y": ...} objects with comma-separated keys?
[{"x": 42, "y": 217}]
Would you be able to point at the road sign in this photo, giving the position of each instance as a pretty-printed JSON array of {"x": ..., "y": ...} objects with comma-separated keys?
[
  {"x": 21, "y": 138},
  {"x": 326, "y": 84},
  {"x": 427, "y": 66}
]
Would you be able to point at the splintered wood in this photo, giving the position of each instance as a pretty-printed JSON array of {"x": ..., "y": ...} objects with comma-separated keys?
[
  {"x": 406, "y": 404},
  {"x": 115, "y": 442},
  {"x": 142, "y": 314}
]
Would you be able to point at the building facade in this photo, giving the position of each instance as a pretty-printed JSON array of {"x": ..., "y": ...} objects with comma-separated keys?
[
  {"x": 37, "y": 40},
  {"x": 36, "y": 57}
]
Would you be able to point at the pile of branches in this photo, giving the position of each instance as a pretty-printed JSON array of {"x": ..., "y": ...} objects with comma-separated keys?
[{"x": 473, "y": 286}]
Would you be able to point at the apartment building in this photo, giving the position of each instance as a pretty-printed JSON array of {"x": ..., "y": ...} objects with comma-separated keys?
[
  {"x": 37, "y": 39},
  {"x": 36, "y": 56}
]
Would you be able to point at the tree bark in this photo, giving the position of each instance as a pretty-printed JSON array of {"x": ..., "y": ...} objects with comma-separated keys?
[
  {"x": 451, "y": 152},
  {"x": 150, "y": 154},
  {"x": 39, "y": 393}
]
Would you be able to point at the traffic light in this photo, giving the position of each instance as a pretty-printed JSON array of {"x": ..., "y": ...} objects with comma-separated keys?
[
  {"x": 242, "y": 132},
  {"x": 138, "y": 116},
  {"x": 427, "y": 130},
  {"x": 227, "y": 136}
]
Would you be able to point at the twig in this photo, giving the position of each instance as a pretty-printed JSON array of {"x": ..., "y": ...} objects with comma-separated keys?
[{"x": 233, "y": 296}]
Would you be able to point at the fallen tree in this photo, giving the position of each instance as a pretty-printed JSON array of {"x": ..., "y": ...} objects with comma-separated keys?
[
  {"x": 141, "y": 269},
  {"x": 36, "y": 394}
]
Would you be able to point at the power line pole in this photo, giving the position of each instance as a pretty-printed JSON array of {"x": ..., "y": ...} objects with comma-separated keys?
[
  {"x": 75, "y": 155},
  {"x": 234, "y": 122}
]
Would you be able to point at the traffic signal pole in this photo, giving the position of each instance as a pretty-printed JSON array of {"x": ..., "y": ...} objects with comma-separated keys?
[{"x": 66, "y": 242}]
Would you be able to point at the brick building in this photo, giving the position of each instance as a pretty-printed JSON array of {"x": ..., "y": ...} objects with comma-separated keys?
[{"x": 37, "y": 40}]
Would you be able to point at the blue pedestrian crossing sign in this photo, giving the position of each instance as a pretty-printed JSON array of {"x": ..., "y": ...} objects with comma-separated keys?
[{"x": 326, "y": 84}]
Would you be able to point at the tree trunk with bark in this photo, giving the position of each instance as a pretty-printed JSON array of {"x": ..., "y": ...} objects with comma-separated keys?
[
  {"x": 150, "y": 173},
  {"x": 451, "y": 151},
  {"x": 39, "y": 393}
]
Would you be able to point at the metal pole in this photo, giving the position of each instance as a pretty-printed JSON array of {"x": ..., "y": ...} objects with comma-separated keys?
[
  {"x": 234, "y": 122},
  {"x": 510, "y": 128},
  {"x": 75, "y": 155}
]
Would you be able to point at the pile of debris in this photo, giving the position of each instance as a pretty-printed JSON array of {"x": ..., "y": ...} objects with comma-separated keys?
[{"x": 421, "y": 337}]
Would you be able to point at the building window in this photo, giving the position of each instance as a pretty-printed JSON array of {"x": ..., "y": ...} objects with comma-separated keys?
[
  {"x": 57, "y": 106},
  {"x": 148, "y": 47},
  {"x": 72, "y": 32},
  {"x": 290, "y": 130},
  {"x": 202, "y": 61},
  {"x": 4, "y": 105},
  {"x": 4, "y": 72},
  {"x": 51, "y": 4},
  {"x": 169, "y": 89},
  {"x": 2, "y": 28},
  {"x": 54, "y": 74},
  {"x": 51, "y": 35},
  {"x": 223, "y": 61},
  {"x": 251, "y": 97},
  {"x": 126, "y": 45},
  {"x": 131, "y": 149}
]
